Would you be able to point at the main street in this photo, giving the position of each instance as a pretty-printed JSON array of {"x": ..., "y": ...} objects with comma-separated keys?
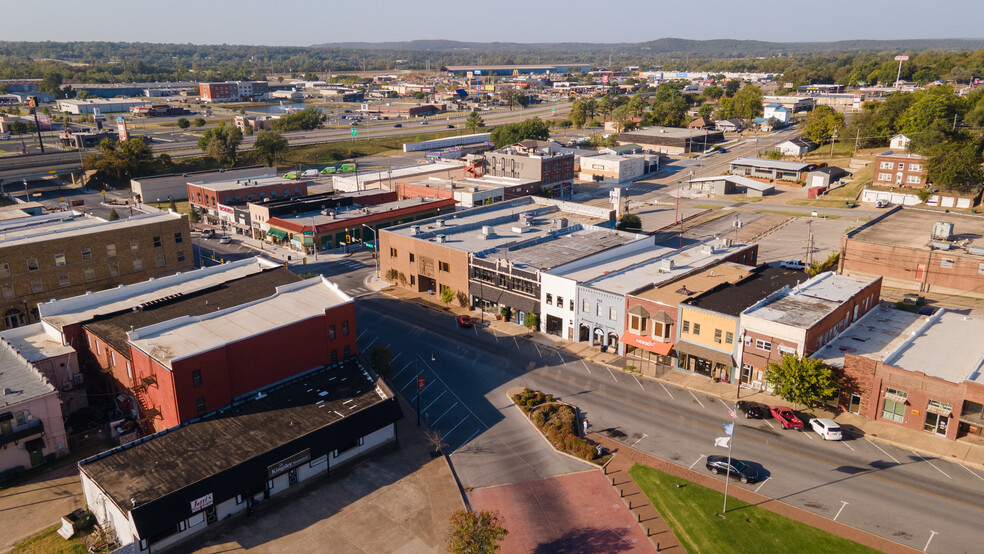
[{"x": 885, "y": 490}]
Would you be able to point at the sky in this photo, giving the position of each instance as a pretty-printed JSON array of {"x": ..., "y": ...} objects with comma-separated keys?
[{"x": 307, "y": 22}]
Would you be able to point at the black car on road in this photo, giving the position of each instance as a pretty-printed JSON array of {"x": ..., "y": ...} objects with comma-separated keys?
[
  {"x": 739, "y": 469},
  {"x": 752, "y": 410}
]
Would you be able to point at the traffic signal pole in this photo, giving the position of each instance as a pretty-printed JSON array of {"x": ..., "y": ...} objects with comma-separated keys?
[{"x": 37, "y": 124}]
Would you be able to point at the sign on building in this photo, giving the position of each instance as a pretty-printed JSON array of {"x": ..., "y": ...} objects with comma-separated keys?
[
  {"x": 288, "y": 464},
  {"x": 200, "y": 504}
]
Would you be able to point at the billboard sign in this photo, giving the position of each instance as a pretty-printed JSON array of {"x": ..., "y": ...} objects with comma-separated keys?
[{"x": 121, "y": 127}]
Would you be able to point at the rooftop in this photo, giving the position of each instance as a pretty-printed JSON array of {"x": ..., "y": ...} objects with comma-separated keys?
[
  {"x": 113, "y": 328},
  {"x": 772, "y": 164},
  {"x": 486, "y": 182},
  {"x": 249, "y": 182},
  {"x": 364, "y": 177},
  {"x": 174, "y": 459},
  {"x": 43, "y": 228},
  {"x": 674, "y": 132},
  {"x": 733, "y": 298},
  {"x": 33, "y": 343},
  {"x": 343, "y": 213},
  {"x": 553, "y": 250},
  {"x": 672, "y": 292},
  {"x": 810, "y": 302},
  {"x": 17, "y": 375},
  {"x": 935, "y": 341},
  {"x": 62, "y": 312},
  {"x": 736, "y": 179},
  {"x": 541, "y": 217},
  {"x": 894, "y": 154},
  {"x": 912, "y": 228},
  {"x": 189, "y": 335}
]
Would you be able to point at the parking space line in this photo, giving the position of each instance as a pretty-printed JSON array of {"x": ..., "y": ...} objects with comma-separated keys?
[
  {"x": 612, "y": 374},
  {"x": 770, "y": 423},
  {"x": 843, "y": 504},
  {"x": 931, "y": 465},
  {"x": 401, "y": 371},
  {"x": 931, "y": 535},
  {"x": 725, "y": 404},
  {"x": 972, "y": 473},
  {"x": 496, "y": 337},
  {"x": 695, "y": 398},
  {"x": 517, "y": 343},
  {"x": 883, "y": 452},
  {"x": 453, "y": 428},
  {"x": 695, "y": 463},
  {"x": 475, "y": 329},
  {"x": 364, "y": 331},
  {"x": 585, "y": 365},
  {"x": 537, "y": 349},
  {"x": 667, "y": 391},
  {"x": 395, "y": 357},
  {"x": 444, "y": 414},
  {"x": 470, "y": 438},
  {"x": 847, "y": 445},
  {"x": 370, "y": 343},
  {"x": 637, "y": 442},
  {"x": 435, "y": 400},
  {"x": 640, "y": 382},
  {"x": 809, "y": 436},
  {"x": 559, "y": 356},
  {"x": 763, "y": 483},
  {"x": 409, "y": 382}
]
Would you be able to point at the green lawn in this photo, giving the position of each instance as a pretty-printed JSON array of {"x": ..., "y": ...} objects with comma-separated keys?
[
  {"x": 691, "y": 511},
  {"x": 50, "y": 542}
]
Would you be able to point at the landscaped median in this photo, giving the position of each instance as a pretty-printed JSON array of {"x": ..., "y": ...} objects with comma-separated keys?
[
  {"x": 558, "y": 422},
  {"x": 692, "y": 514}
]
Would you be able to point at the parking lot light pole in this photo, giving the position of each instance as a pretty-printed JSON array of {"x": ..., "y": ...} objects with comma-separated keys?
[{"x": 418, "y": 385}]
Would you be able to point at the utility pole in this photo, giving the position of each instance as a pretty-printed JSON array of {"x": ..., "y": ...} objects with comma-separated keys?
[
  {"x": 833, "y": 139},
  {"x": 857, "y": 141},
  {"x": 809, "y": 246}
]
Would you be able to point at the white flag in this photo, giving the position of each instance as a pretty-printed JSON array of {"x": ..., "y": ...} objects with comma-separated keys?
[{"x": 722, "y": 441}]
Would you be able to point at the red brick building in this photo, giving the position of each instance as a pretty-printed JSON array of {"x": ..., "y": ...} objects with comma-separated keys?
[
  {"x": 899, "y": 169},
  {"x": 218, "y": 92},
  {"x": 208, "y": 196}
]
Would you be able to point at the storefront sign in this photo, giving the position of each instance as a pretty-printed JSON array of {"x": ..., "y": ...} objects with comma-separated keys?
[
  {"x": 939, "y": 408},
  {"x": 225, "y": 209},
  {"x": 200, "y": 504},
  {"x": 288, "y": 464}
]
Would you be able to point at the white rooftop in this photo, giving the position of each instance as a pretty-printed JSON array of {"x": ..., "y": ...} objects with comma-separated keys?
[
  {"x": 29, "y": 230},
  {"x": 736, "y": 179},
  {"x": 248, "y": 182},
  {"x": 59, "y": 313},
  {"x": 810, "y": 302},
  {"x": 395, "y": 173},
  {"x": 31, "y": 342},
  {"x": 874, "y": 336},
  {"x": 771, "y": 164},
  {"x": 19, "y": 377},
  {"x": 932, "y": 349},
  {"x": 191, "y": 335}
]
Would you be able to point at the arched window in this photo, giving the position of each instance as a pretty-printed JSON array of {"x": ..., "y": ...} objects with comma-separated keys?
[{"x": 14, "y": 317}]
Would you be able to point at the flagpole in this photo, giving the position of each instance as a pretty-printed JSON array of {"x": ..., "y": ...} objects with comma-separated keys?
[{"x": 727, "y": 474}]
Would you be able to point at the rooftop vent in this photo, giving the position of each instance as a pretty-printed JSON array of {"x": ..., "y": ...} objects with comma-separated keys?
[
  {"x": 488, "y": 231},
  {"x": 414, "y": 230},
  {"x": 439, "y": 238},
  {"x": 560, "y": 223},
  {"x": 707, "y": 249},
  {"x": 684, "y": 290},
  {"x": 942, "y": 230},
  {"x": 439, "y": 223},
  {"x": 665, "y": 265}
]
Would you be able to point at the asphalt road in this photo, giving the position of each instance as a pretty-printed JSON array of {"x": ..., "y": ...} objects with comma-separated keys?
[{"x": 885, "y": 490}]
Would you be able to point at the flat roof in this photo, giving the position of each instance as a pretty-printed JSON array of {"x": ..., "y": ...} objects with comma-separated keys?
[
  {"x": 733, "y": 298},
  {"x": 554, "y": 250},
  {"x": 931, "y": 350},
  {"x": 736, "y": 179},
  {"x": 874, "y": 336},
  {"x": 343, "y": 213},
  {"x": 398, "y": 172},
  {"x": 62, "y": 312},
  {"x": 772, "y": 164},
  {"x": 672, "y": 292},
  {"x": 20, "y": 376},
  {"x": 463, "y": 230},
  {"x": 247, "y": 183},
  {"x": 33, "y": 230},
  {"x": 174, "y": 459},
  {"x": 486, "y": 182},
  {"x": 186, "y": 336},
  {"x": 674, "y": 132},
  {"x": 809, "y": 302},
  {"x": 912, "y": 227},
  {"x": 33, "y": 343}
]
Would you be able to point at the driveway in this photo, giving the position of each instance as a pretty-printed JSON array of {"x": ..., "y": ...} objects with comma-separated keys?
[{"x": 39, "y": 504}]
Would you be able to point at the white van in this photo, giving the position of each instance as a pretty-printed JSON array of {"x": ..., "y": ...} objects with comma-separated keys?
[
  {"x": 310, "y": 173},
  {"x": 826, "y": 428}
]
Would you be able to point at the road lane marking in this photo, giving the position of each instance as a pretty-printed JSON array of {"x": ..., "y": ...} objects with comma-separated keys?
[
  {"x": 667, "y": 390},
  {"x": 931, "y": 535},
  {"x": 453, "y": 428},
  {"x": 444, "y": 414},
  {"x": 695, "y": 463},
  {"x": 838, "y": 511},
  {"x": 640, "y": 382},
  {"x": 883, "y": 452},
  {"x": 972, "y": 473},
  {"x": 931, "y": 465},
  {"x": 435, "y": 400},
  {"x": 762, "y": 483},
  {"x": 612, "y": 374},
  {"x": 695, "y": 398},
  {"x": 537, "y": 349},
  {"x": 585, "y": 365},
  {"x": 401, "y": 371},
  {"x": 637, "y": 442}
]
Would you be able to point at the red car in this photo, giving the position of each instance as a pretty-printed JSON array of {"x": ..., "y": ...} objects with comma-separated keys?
[
  {"x": 786, "y": 417},
  {"x": 466, "y": 321}
]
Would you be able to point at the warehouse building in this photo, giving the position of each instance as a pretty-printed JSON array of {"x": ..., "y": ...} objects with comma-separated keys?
[
  {"x": 161, "y": 188},
  {"x": 672, "y": 140}
]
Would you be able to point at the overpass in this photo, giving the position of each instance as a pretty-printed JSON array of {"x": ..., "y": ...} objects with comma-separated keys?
[{"x": 39, "y": 166}]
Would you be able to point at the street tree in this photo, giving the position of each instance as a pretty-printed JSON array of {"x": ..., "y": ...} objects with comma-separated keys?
[
  {"x": 447, "y": 296},
  {"x": 221, "y": 143},
  {"x": 955, "y": 166},
  {"x": 511, "y": 133},
  {"x": 731, "y": 88},
  {"x": 510, "y": 97},
  {"x": 476, "y": 532},
  {"x": 120, "y": 160},
  {"x": 183, "y": 123},
  {"x": 578, "y": 115},
  {"x": 271, "y": 146},
  {"x": 822, "y": 124},
  {"x": 747, "y": 102},
  {"x": 629, "y": 222},
  {"x": 802, "y": 380},
  {"x": 304, "y": 120},
  {"x": 474, "y": 122},
  {"x": 381, "y": 359},
  {"x": 531, "y": 321},
  {"x": 199, "y": 122}
]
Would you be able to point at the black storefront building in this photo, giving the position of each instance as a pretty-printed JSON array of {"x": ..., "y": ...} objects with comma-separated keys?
[{"x": 495, "y": 283}]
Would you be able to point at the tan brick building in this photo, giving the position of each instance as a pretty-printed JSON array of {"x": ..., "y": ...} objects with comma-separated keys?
[{"x": 66, "y": 254}]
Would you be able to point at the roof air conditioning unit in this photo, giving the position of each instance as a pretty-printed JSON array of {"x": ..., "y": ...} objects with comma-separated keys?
[
  {"x": 439, "y": 238},
  {"x": 439, "y": 223},
  {"x": 414, "y": 230},
  {"x": 942, "y": 230},
  {"x": 488, "y": 231},
  {"x": 707, "y": 249},
  {"x": 666, "y": 265}
]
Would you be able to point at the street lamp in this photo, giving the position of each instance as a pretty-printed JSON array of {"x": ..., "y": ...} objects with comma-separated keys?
[
  {"x": 375, "y": 244},
  {"x": 419, "y": 387}
]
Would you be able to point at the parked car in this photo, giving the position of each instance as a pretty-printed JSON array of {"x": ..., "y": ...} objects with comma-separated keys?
[
  {"x": 826, "y": 428},
  {"x": 881, "y": 204},
  {"x": 225, "y": 240},
  {"x": 738, "y": 469},
  {"x": 424, "y": 123},
  {"x": 752, "y": 410},
  {"x": 793, "y": 264},
  {"x": 4, "y": 137},
  {"x": 208, "y": 233},
  {"x": 464, "y": 321},
  {"x": 398, "y": 125},
  {"x": 786, "y": 417},
  {"x": 450, "y": 126}
]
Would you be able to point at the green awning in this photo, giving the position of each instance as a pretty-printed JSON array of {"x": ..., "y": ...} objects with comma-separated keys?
[{"x": 277, "y": 233}]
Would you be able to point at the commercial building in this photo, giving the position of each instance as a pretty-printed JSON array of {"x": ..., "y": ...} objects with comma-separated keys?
[
  {"x": 532, "y": 160},
  {"x": 434, "y": 254},
  {"x": 388, "y": 178},
  {"x": 903, "y": 368},
  {"x": 730, "y": 184},
  {"x": 799, "y": 321},
  {"x": 776, "y": 170},
  {"x": 672, "y": 140},
  {"x": 234, "y": 91},
  {"x": 470, "y": 192},
  {"x": 57, "y": 362},
  {"x": 920, "y": 250},
  {"x": 114, "y": 90},
  {"x": 615, "y": 168},
  {"x": 67, "y": 253},
  {"x": 706, "y": 341},
  {"x": 345, "y": 225},
  {"x": 161, "y": 188},
  {"x": 216, "y": 197},
  {"x": 108, "y": 105},
  {"x": 259, "y": 213},
  {"x": 166, "y": 488},
  {"x": 900, "y": 169},
  {"x": 404, "y": 110},
  {"x": 507, "y": 70},
  {"x": 794, "y": 103}
]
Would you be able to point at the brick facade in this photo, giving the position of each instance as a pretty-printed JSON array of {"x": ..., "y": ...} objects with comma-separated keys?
[
  {"x": 423, "y": 265},
  {"x": 900, "y": 170}
]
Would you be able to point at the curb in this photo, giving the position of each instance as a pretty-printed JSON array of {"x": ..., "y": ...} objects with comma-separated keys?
[{"x": 544, "y": 437}]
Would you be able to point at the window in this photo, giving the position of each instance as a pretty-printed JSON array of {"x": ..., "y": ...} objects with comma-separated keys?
[
  {"x": 886, "y": 165},
  {"x": 637, "y": 324},
  {"x": 560, "y": 302},
  {"x": 884, "y": 176},
  {"x": 196, "y": 378},
  {"x": 585, "y": 306},
  {"x": 443, "y": 266},
  {"x": 349, "y": 446},
  {"x": 36, "y": 285},
  {"x": 612, "y": 314},
  {"x": 200, "y": 405},
  {"x": 345, "y": 328},
  {"x": 134, "y": 245},
  {"x": 347, "y": 352},
  {"x": 572, "y": 304},
  {"x": 717, "y": 336},
  {"x": 137, "y": 264},
  {"x": 913, "y": 179},
  {"x": 392, "y": 252},
  {"x": 60, "y": 260},
  {"x": 763, "y": 345},
  {"x": 894, "y": 408},
  {"x": 64, "y": 280},
  {"x": 784, "y": 350},
  {"x": 8, "y": 290},
  {"x": 178, "y": 238},
  {"x": 334, "y": 356},
  {"x": 696, "y": 328},
  {"x": 331, "y": 332},
  {"x": 686, "y": 327},
  {"x": 90, "y": 274},
  {"x": 413, "y": 279},
  {"x": 411, "y": 257},
  {"x": 13, "y": 318},
  {"x": 129, "y": 374},
  {"x": 729, "y": 338},
  {"x": 32, "y": 264},
  {"x": 4, "y": 270},
  {"x": 901, "y": 166},
  {"x": 598, "y": 310},
  {"x": 159, "y": 259},
  {"x": 157, "y": 241},
  {"x": 915, "y": 167},
  {"x": 86, "y": 254},
  {"x": 549, "y": 299},
  {"x": 110, "y": 250},
  {"x": 181, "y": 255}
]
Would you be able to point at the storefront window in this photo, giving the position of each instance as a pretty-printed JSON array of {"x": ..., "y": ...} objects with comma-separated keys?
[{"x": 894, "y": 409}]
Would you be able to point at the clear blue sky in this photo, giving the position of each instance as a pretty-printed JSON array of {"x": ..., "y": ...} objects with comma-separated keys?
[{"x": 305, "y": 22}]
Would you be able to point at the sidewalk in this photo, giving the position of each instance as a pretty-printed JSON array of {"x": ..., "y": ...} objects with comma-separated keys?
[{"x": 925, "y": 444}]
